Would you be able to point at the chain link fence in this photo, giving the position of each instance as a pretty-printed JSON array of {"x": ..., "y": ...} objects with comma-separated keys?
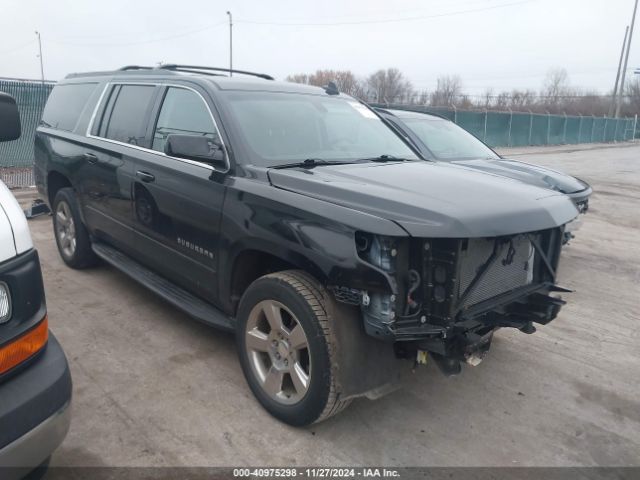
[
  {"x": 520, "y": 129},
  {"x": 498, "y": 129},
  {"x": 16, "y": 158}
]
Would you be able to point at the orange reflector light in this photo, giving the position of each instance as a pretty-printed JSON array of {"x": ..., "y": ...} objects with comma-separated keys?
[{"x": 24, "y": 347}]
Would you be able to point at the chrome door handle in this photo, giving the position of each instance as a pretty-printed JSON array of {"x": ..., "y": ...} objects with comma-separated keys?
[
  {"x": 145, "y": 176},
  {"x": 90, "y": 157}
]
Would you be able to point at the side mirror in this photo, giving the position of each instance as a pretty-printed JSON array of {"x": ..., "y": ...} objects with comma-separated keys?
[
  {"x": 9, "y": 118},
  {"x": 195, "y": 147}
]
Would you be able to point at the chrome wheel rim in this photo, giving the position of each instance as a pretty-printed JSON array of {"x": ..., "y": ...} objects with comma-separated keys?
[
  {"x": 278, "y": 352},
  {"x": 65, "y": 229}
]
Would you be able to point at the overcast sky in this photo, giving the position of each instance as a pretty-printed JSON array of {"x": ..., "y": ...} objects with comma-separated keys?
[{"x": 499, "y": 44}]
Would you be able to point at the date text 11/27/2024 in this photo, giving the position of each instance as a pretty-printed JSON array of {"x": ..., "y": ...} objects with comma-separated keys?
[{"x": 316, "y": 472}]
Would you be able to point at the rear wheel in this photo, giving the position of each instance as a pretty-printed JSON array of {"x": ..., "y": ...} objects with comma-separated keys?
[
  {"x": 72, "y": 237},
  {"x": 287, "y": 347}
]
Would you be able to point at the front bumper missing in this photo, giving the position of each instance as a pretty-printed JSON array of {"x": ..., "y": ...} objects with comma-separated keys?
[{"x": 468, "y": 339}]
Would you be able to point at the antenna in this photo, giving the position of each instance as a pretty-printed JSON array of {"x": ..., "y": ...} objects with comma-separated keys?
[{"x": 332, "y": 88}]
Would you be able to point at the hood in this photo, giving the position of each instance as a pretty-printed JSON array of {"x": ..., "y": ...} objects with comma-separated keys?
[
  {"x": 14, "y": 231},
  {"x": 430, "y": 199},
  {"x": 531, "y": 174}
]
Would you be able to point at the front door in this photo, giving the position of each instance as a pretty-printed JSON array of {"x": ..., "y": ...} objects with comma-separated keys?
[{"x": 177, "y": 204}]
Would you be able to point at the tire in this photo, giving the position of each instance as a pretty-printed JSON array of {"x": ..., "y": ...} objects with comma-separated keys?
[
  {"x": 72, "y": 237},
  {"x": 264, "y": 350},
  {"x": 39, "y": 472}
]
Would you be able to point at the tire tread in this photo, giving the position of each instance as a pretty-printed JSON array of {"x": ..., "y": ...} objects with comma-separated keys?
[{"x": 317, "y": 298}]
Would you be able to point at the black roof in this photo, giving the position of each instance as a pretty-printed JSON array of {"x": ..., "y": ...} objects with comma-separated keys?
[
  {"x": 173, "y": 68},
  {"x": 241, "y": 79}
]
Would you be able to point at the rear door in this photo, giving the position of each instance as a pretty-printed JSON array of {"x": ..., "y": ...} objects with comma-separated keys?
[
  {"x": 119, "y": 134},
  {"x": 178, "y": 202}
]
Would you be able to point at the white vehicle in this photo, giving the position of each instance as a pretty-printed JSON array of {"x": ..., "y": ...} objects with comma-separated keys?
[{"x": 35, "y": 383}]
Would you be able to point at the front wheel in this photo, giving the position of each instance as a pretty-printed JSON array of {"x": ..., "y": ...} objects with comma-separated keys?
[{"x": 287, "y": 347}]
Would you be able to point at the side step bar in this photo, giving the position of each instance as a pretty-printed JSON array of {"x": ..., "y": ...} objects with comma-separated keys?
[{"x": 175, "y": 295}]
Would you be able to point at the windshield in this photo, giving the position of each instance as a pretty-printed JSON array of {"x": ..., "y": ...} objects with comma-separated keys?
[
  {"x": 282, "y": 128},
  {"x": 447, "y": 141}
]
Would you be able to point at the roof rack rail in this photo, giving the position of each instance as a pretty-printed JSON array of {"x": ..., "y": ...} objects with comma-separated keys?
[
  {"x": 195, "y": 68},
  {"x": 134, "y": 67}
]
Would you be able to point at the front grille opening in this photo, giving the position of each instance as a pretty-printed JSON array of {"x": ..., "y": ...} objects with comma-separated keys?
[{"x": 512, "y": 267}]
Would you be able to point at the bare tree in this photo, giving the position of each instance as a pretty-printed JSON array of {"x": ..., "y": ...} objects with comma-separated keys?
[
  {"x": 389, "y": 86},
  {"x": 522, "y": 99},
  {"x": 448, "y": 89},
  {"x": 420, "y": 98},
  {"x": 556, "y": 94},
  {"x": 298, "y": 78},
  {"x": 345, "y": 80},
  {"x": 555, "y": 88},
  {"x": 632, "y": 105},
  {"x": 487, "y": 98}
]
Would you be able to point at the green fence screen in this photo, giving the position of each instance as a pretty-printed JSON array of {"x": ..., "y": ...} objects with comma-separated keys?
[{"x": 519, "y": 129}]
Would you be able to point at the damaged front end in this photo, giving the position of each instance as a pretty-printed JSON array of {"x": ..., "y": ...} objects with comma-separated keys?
[{"x": 449, "y": 295}]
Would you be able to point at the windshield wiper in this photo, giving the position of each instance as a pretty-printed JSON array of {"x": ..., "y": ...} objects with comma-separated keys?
[
  {"x": 385, "y": 158},
  {"x": 312, "y": 162}
]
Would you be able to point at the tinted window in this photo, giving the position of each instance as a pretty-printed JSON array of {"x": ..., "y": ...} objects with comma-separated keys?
[
  {"x": 447, "y": 141},
  {"x": 282, "y": 128},
  {"x": 65, "y": 105},
  {"x": 183, "y": 112},
  {"x": 130, "y": 108}
]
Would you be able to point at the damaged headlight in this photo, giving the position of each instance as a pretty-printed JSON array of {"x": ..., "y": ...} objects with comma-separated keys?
[
  {"x": 378, "y": 308},
  {"x": 573, "y": 225}
]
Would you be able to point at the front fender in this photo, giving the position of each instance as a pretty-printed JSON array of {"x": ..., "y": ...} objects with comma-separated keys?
[{"x": 311, "y": 234}]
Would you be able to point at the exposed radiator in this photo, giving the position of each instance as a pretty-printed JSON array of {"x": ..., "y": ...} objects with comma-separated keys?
[{"x": 512, "y": 267}]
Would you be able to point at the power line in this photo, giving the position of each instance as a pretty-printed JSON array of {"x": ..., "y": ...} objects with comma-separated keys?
[
  {"x": 19, "y": 47},
  {"x": 433, "y": 6},
  {"x": 391, "y": 20},
  {"x": 141, "y": 42}
]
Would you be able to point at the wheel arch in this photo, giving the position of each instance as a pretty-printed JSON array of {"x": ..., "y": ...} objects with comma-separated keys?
[
  {"x": 56, "y": 181},
  {"x": 248, "y": 263}
]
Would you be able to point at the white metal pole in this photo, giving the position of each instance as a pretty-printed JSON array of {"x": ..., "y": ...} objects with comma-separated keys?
[
  {"x": 614, "y": 98},
  {"x": 486, "y": 114},
  {"x": 230, "y": 44},
  {"x": 40, "y": 56},
  {"x": 626, "y": 60}
]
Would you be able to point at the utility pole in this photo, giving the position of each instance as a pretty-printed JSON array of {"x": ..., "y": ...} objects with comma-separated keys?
[
  {"x": 40, "y": 56},
  {"x": 614, "y": 98},
  {"x": 231, "y": 43},
  {"x": 626, "y": 60}
]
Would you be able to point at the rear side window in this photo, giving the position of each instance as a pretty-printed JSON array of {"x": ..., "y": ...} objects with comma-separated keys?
[
  {"x": 185, "y": 113},
  {"x": 65, "y": 105},
  {"x": 129, "y": 106}
]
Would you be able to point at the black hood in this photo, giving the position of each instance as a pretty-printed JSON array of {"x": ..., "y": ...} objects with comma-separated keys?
[
  {"x": 431, "y": 199},
  {"x": 531, "y": 174}
]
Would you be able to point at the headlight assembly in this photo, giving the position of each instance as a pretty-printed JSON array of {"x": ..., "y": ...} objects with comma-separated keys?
[{"x": 5, "y": 303}]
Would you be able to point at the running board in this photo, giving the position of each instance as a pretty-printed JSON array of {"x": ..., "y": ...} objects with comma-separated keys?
[{"x": 175, "y": 295}]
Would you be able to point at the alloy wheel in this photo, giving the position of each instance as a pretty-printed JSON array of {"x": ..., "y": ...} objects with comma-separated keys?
[
  {"x": 65, "y": 229},
  {"x": 278, "y": 352}
]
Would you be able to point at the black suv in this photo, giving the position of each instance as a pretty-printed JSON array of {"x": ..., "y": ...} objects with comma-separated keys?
[{"x": 295, "y": 216}]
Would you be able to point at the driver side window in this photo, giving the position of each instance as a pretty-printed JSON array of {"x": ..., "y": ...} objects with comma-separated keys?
[{"x": 183, "y": 112}]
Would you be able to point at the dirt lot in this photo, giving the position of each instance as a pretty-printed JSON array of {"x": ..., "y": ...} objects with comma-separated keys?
[{"x": 153, "y": 387}]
